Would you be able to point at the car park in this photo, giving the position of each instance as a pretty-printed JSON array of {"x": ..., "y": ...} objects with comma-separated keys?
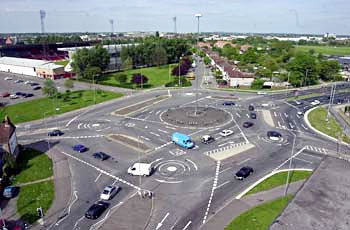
[
  {"x": 10, "y": 192},
  {"x": 252, "y": 115},
  {"x": 96, "y": 210},
  {"x": 109, "y": 192},
  {"x": 5, "y": 94},
  {"x": 13, "y": 96},
  {"x": 36, "y": 87},
  {"x": 251, "y": 108},
  {"x": 273, "y": 135},
  {"x": 226, "y": 132},
  {"x": 55, "y": 132},
  {"x": 228, "y": 103},
  {"x": 248, "y": 124},
  {"x": 206, "y": 139},
  {"x": 101, "y": 156},
  {"x": 244, "y": 173},
  {"x": 79, "y": 148}
]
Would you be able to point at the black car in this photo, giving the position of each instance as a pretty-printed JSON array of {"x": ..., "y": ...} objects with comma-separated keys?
[
  {"x": 55, "y": 132},
  {"x": 19, "y": 93},
  {"x": 101, "y": 156},
  {"x": 244, "y": 173},
  {"x": 251, "y": 108},
  {"x": 248, "y": 124},
  {"x": 228, "y": 103},
  {"x": 206, "y": 139},
  {"x": 273, "y": 135},
  {"x": 96, "y": 210},
  {"x": 25, "y": 95},
  {"x": 37, "y": 88},
  {"x": 253, "y": 115}
]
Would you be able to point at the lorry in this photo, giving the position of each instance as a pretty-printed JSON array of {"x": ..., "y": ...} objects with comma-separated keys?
[
  {"x": 140, "y": 169},
  {"x": 182, "y": 140}
]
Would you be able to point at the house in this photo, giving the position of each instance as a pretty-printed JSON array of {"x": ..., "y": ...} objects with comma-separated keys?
[
  {"x": 244, "y": 48},
  {"x": 221, "y": 44},
  {"x": 8, "y": 138},
  {"x": 203, "y": 44}
]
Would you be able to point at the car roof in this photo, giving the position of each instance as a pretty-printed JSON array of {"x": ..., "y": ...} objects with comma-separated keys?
[{"x": 109, "y": 187}]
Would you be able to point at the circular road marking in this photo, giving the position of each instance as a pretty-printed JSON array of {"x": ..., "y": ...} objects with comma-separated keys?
[{"x": 171, "y": 169}]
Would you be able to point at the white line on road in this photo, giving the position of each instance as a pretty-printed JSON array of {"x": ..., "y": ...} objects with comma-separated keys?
[
  {"x": 279, "y": 124},
  {"x": 98, "y": 224},
  {"x": 194, "y": 165},
  {"x": 161, "y": 223},
  {"x": 158, "y": 112},
  {"x": 310, "y": 162},
  {"x": 69, "y": 208},
  {"x": 188, "y": 224},
  {"x": 163, "y": 131},
  {"x": 238, "y": 115},
  {"x": 274, "y": 113},
  {"x": 71, "y": 121},
  {"x": 79, "y": 125},
  {"x": 309, "y": 155},
  {"x": 155, "y": 134},
  {"x": 145, "y": 138},
  {"x": 302, "y": 125},
  {"x": 173, "y": 128},
  {"x": 99, "y": 175},
  {"x": 247, "y": 115},
  {"x": 242, "y": 162},
  {"x": 224, "y": 170},
  {"x": 223, "y": 184},
  {"x": 159, "y": 159},
  {"x": 296, "y": 154},
  {"x": 76, "y": 223}
]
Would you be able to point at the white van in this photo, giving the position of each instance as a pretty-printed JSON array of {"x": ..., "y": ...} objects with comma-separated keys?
[
  {"x": 261, "y": 93},
  {"x": 140, "y": 169}
]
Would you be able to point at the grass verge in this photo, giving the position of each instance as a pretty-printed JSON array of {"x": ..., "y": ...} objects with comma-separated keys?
[
  {"x": 279, "y": 179},
  {"x": 33, "y": 165},
  {"x": 44, "y": 107},
  {"x": 340, "y": 51},
  {"x": 259, "y": 217},
  {"x": 32, "y": 197},
  {"x": 317, "y": 119},
  {"x": 304, "y": 96},
  {"x": 64, "y": 62}
]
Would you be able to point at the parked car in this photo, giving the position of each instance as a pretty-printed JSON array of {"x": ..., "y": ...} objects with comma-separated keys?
[
  {"x": 101, "y": 156},
  {"x": 252, "y": 115},
  {"x": 19, "y": 93},
  {"x": 36, "y": 87},
  {"x": 244, "y": 173},
  {"x": 226, "y": 132},
  {"x": 206, "y": 139},
  {"x": 228, "y": 103},
  {"x": 18, "y": 81},
  {"x": 5, "y": 94},
  {"x": 298, "y": 102},
  {"x": 251, "y": 108},
  {"x": 10, "y": 192},
  {"x": 25, "y": 95},
  {"x": 28, "y": 82},
  {"x": 55, "y": 132},
  {"x": 273, "y": 135},
  {"x": 79, "y": 148},
  {"x": 13, "y": 96},
  {"x": 315, "y": 102},
  {"x": 96, "y": 210},
  {"x": 8, "y": 78},
  {"x": 34, "y": 84},
  {"x": 248, "y": 124},
  {"x": 261, "y": 93},
  {"x": 109, "y": 192}
]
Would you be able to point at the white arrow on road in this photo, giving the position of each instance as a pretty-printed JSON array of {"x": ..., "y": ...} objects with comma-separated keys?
[{"x": 161, "y": 223}]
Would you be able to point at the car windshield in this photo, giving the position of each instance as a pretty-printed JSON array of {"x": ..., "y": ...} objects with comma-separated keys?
[{"x": 106, "y": 192}]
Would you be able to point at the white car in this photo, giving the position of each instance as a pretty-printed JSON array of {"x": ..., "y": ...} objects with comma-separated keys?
[
  {"x": 28, "y": 82},
  {"x": 109, "y": 192},
  {"x": 8, "y": 78},
  {"x": 315, "y": 102},
  {"x": 298, "y": 102},
  {"x": 226, "y": 132},
  {"x": 261, "y": 93},
  {"x": 300, "y": 113},
  {"x": 13, "y": 96}
]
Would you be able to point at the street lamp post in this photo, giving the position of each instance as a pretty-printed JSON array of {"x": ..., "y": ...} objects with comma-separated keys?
[
  {"x": 48, "y": 138},
  {"x": 290, "y": 164},
  {"x": 198, "y": 16}
]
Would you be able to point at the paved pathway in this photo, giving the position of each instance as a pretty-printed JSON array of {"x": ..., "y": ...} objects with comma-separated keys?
[
  {"x": 235, "y": 207},
  {"x": 34, "y": 182}
]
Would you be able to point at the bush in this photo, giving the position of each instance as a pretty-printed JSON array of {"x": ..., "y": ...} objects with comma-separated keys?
[
  {"x": 139, "y": 79},
  {"x": 257, "y": 84}
]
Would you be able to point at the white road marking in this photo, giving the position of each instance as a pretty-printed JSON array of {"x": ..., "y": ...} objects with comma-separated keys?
[
  {"x": 224, "y": 170},
  {"x": 222, "y": 184},
  {"x": 99, "y": 175},
  {"x": 302, "y": 125},
  {"x": 145, "y": 138},
  {"x": 155, "y": 134},
  {"x": 194, "y": 165},
  {"x": 242, "y": 162},
  {"x": 295, "y": 155},
  {"x": 163, "y": 145},
  {"x": 69, "y": 208},
  {"x": 158, "y": 112},
  {"x": 159, "y": 159},
  {"x": 98, "y": 224},
  {"x": 291, "y": 126},
  {"x": 310, "y": 162},
  {"x": 286, "y": 115},
  {"x": 238, "y": 115},
  {"x": 169, "y": 182},
  {"x": 79, "y": 125},
  {"x": 188, "y": 224},
  {"x": 76, "y": 223},
  {"x": 173, "y": 128},
  {"x": 163, "y": 131},
  {"x": 274, "y": 113},
  {"x": 71, "y": 121},
  {"x": 247, "y": 115},
  {"x": 161, "y": 222},
  {"x": 309, "y": 155}
]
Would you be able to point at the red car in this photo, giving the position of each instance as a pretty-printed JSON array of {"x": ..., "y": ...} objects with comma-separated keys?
[{"x": 6, "y": 94}]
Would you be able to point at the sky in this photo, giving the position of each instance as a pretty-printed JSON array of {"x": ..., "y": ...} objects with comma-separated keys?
[{"x": 242, "y": 16}]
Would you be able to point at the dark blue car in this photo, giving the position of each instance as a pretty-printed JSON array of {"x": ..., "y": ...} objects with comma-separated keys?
[
  {"x": 228, "y": 103},
  {"x": 79, "y": 148}
]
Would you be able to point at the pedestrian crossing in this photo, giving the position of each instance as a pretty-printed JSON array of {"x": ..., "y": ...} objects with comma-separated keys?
[{"x": 317, "y": 149}]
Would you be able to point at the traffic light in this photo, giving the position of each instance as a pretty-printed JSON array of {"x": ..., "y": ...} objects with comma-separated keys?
[{"x": 39, "y": 212}]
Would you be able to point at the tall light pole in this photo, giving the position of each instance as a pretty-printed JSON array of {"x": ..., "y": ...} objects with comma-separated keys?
[
  {"x": 198, "y": 16},
  {"x": 290, "y": 164}
]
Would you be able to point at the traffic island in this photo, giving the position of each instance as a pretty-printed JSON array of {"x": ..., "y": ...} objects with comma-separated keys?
[
  {"x": 130, "y": 142},
  {"x": 192, "y": 117}
]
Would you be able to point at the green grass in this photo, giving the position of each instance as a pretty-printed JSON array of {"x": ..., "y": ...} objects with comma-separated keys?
[
  {"x": 32, "y": 197},
  {"x": 331, "y": 50},
  {"x": 279, "y": 179},
  {"x": 259, "y": 217},
  {"x": 317, "y": 118},
  {"x": 38, "y": 108},
  {"x": 304, "y": 96},
  {"x": 64, "y": 62},
  {"x": 157, "y": 76},
  {"x": 33, "y": 165}
]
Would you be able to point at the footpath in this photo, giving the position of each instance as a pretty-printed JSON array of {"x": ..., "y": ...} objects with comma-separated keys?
[{"x": 236, "y": 207}]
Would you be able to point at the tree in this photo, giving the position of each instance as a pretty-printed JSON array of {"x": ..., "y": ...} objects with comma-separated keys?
[
  {"x": 329, "y": 70},
  {"x": 304, "y": 66},
  {"x": 127, "y": 63},
  {"x": 257, "y": 84},
  {"x": 206, "y": 60},
  {"x": 69, "y": 84},
  {"x": 121, "y": 78},
  {"x": 139, "y": 79},
  {"x": 92, "y": 73},
  {"x": 49, "y": 88},
  {"x": 159, "y": 56}
]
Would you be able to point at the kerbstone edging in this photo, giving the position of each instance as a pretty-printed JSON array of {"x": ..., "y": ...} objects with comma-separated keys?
[
  {"x": 317, "y": 131},
  {"x": 239, "y": 196}
]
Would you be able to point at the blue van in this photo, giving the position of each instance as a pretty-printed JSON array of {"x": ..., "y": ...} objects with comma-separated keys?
[{"x": 182, "y": 139}]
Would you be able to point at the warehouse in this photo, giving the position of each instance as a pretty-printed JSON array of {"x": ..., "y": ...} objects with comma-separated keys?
[{"x": 31, "y": 67}]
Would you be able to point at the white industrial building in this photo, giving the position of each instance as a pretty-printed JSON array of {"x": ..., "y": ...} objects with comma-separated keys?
[{"x": 31, "y": 67}]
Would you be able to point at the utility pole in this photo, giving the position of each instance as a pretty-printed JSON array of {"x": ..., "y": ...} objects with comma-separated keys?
[
  {"x": 290, "y": 164},
  {"x": 198, "y": 16}
]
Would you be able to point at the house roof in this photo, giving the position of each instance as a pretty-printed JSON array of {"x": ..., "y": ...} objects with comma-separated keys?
[
  {"x": 26, "y": 62},
  {"x": 6, "y": 130}
]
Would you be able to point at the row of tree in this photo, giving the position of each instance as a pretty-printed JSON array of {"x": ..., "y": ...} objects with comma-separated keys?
[{"x": 52, "y": 38}]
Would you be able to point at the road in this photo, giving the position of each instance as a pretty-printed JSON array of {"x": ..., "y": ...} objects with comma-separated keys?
[{"x": 188, "y": 185}]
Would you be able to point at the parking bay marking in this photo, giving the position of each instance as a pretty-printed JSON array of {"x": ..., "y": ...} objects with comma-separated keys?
[
  {"x": 222, "y": 184},
  {"x": 242, "y": 162}
]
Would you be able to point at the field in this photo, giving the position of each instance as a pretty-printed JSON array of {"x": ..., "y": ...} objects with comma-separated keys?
[
  {"x": 45, "y": 107},
  {"x": 330, "y": 50}
]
